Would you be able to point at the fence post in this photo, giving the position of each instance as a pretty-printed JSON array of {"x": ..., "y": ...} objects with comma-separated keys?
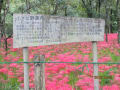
[
  {"x": 26, "y": 68},
  {"x": 39, "y": 69},
  {"x": 96, "y": 81}
]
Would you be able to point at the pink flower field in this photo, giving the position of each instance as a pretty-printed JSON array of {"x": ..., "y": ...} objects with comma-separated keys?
[{"x": 64, "y": 76}]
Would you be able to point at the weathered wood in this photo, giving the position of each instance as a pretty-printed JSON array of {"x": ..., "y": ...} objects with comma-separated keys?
[
  {"x": 24, "y": 89},
  {"x": 95, "y": 73},
  {"x": 39, "y": 73},
  {"x": 26, "y": 68},
  {"x": 36, "y": 30}
]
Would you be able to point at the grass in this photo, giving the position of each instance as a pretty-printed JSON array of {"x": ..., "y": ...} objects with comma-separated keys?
[
  {"x": 9, "y": 86},
  {"x": 13, "y": 53},
  {"x": 114, "y": 57},
  {"x": 72, "y": 79},
  {"x": 9, "y": 83},
  {"x": 1, "y": 58},
  {"x": 105, "y": 81}
]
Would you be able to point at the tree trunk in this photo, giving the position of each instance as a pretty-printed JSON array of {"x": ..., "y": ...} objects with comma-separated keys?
[
  {"x": 65, "y": 11},
  {"x": 88, "y": 8},
  {"x": 111, "y": 31},
  {"x": 55, "y": 9},
  {"x": 117, "y": 7},
  {"x": 118, "y": 19},
  {"x": 118, "y": 30},
  {"x": 27, "y": 6},
  {"x": 1, "y": 3},
  {"x": 106, "y": 23},
  {"x": 6, "y": 44},
  {"x": 99, "y": 8},
  {"x": 0, "y": 34}
]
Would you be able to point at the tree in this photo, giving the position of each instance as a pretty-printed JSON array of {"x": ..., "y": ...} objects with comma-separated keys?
[{"x": 106, "y": 9}]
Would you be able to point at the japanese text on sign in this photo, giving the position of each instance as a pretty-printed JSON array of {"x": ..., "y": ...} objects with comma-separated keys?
[{"x": 35, "y": 30}]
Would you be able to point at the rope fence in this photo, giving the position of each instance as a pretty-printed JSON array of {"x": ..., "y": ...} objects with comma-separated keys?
[
  {"x": 66, "y": 62},
  {"x": 75, "y": 82}
]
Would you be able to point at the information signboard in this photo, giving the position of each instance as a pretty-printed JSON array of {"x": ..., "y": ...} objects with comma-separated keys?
[{"x": 36, "y": 30}]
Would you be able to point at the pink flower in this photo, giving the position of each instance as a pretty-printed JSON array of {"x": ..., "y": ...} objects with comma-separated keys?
[
  {"x": 31, "y": 85},
  {"x": 21, "y": 79},
  {"x": 47, "y": 55},
  {"x": 31, "y": 56},
  {"x": 117, "y": 77},
  {"x": 14, "y": 65},
  {"x": 10, "y": 73},
  {"x": 106, "y": 87},
  {"x": 4, "y": 70},
  {"x": 115, "y": 87},
  {"x": 22, "y": 85}
]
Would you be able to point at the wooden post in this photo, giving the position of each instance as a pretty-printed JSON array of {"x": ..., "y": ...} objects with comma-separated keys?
[
  {"x": 39, "y": 73},
  {"x": 26, "y": 68},
  {"x": 96, "y": 81}
]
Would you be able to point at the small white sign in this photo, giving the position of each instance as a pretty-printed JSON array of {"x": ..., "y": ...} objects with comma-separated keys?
[{"x": 36, "y": 30}]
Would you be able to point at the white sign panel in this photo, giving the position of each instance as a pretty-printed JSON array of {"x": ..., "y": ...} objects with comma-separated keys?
[{"x": 35, "y": 30}]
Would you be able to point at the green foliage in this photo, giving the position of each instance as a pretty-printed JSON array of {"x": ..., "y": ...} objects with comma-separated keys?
[
  {"x": 13, "y": 53},
  {"x": 11, "y": 85},
  {"x": 78, "y": 8},
  {"x": 8, "y": 83},
  {"x": 72, "y": 78},
  {"x": 75, "y": 64},
  {"x": 1, "y": 58},
  {"x": 114, "y": 57},
  {"x": 104, "y": 81},
  {"x": 3, "y": 76},
  {"x": 119, "y": 50}
]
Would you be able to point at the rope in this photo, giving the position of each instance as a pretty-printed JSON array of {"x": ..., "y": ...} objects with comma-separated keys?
[{"x": 61, "y": 62}]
